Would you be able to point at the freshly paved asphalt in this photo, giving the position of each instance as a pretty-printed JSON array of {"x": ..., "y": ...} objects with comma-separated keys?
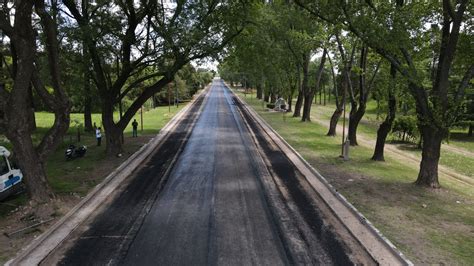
[{"x": 210, "y": 211}]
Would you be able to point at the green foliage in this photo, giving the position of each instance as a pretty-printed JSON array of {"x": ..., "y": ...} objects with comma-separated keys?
[
  {"x": 270, "y": 52},
  {"x": 405, "y": 128}
]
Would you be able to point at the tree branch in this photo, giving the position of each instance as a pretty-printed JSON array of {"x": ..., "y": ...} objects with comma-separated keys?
[
  {"x": 5, "y": 26},
  {"x": 463, "y": 85},
  {"x": 138, "y": 82},
  {"x": 144, "y": 96}
]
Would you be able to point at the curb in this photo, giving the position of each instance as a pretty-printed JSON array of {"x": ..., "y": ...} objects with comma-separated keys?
[
  {"x": 370, "y": 238},
  {"x": 41, "y": 247}
]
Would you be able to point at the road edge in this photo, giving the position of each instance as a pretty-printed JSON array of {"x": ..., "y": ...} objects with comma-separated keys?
[
  {"x": 41, "y": 246},
  {"x": 370, "y": 238}
]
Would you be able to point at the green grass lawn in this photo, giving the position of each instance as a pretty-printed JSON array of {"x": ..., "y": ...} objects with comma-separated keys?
[
  {"x": 430, "y": 227},
  {"x": 460, "y": 163},
  {"x": 460, "y": 139},
  {"x": 153, "y": 119}
]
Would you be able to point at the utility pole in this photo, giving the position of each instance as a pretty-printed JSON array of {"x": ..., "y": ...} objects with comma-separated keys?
[{"x": 345, "y": 143}]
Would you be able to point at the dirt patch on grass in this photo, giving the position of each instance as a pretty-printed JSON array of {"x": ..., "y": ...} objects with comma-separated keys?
[
  {"x": 17, "y": 215},
  {"x": 406, "y": 212}
]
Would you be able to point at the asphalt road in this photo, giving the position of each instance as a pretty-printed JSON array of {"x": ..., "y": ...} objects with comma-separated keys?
[{"x": 211, "y": 209}]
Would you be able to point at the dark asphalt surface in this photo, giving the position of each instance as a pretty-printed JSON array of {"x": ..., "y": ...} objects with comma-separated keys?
[{"x": 211, "y": 210}]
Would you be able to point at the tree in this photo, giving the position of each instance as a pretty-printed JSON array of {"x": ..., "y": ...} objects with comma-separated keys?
[
  {"x": 397, "y": 32},
  {"x": 337, "y": 90},
  {"x": 386, "y": 126},
  {"x": 345, "y": 80},
  {"x": 309, "y": 93},
  {"x": 302, "y": 39},
  {"x": 133, "y": 37},
  {"x": 25, "y": 73},
  {"x": 260, "y": 56},
  {"x": 364, "y": 87}
]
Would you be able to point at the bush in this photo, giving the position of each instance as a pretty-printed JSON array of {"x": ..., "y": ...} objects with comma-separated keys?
[
  {"x": 270, "y": 105},
  {"x": 405, "y": 128}
]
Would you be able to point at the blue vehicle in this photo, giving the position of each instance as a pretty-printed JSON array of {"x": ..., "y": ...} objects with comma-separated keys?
[{"x": 10, "y": 176}]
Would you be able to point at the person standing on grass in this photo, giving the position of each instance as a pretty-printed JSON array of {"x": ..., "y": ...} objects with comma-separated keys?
[
  {"x": 135, "y": 128},
  {"x": 98, "y": 136}
]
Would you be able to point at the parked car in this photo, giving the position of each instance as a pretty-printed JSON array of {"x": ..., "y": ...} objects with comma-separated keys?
[{"x": 10, "y": 176}]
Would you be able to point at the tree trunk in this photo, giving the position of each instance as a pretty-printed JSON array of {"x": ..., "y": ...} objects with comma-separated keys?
[
  {"x": 338, "y": 112},
  {"x": 299, "y": 98},
  {"x": 113, "y": 137},
  {"x": 87, "y": 104},
  {"x": 320, "y": 95},
  {"x": 354, "y": 120},
  {"x": 324, "y": 90},
  {"x": 259, "y": 91},
  {"x": 266, "y": 96},
  {"x": 298, "y": 104},
  {"x": 386, "y": 126},
  {"x": 308, "y": 93},
  {"x": 378, "y": 108},
  {"x": 88, "y": 115},
  {"x": 329, "y": 96},
  {"x": 113, "y": 134},
  {"x": 357, "y": 112},
  {"x": 333, "y": 123},
  {"x": 31, "y": 110},
  {"x": 308, "y": 100},
  {"x": 19, "y": 133},
  {"x": 420, "y": 143},
  {"x": 32, "y": 168},
  {"x": 87, "y": 90},
  {"x": 384, "y": 130},
  {"x": 290, "y": 99},
  {"x": 471, "y": 128},
  {"x": 272, "y": 97},
  {"x": 428, "y": 175}
]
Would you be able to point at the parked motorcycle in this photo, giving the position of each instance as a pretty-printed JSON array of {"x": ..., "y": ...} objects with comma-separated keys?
[{"x": 72, "y": 152}]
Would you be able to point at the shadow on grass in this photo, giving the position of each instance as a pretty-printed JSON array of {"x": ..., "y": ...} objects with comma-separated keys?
[
  {"x": 11, "y": 203},
  {"x": 406, "y": 146},
  {"x": 410, "y": 214},
  {"x": 461, "y": 137}
]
